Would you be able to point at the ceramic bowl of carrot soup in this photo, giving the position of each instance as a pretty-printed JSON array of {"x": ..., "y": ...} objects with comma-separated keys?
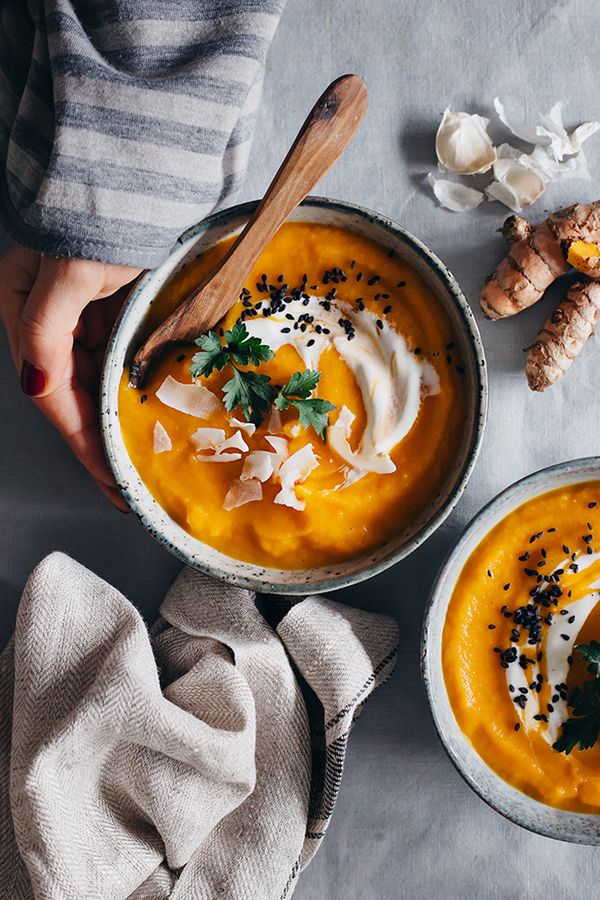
[
  {"x": 325, "y": 427},
  {"x": 511, "y": 652}
]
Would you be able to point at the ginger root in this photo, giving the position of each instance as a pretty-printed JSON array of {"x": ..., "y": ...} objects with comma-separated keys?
[{"x": 537, "y": 257}]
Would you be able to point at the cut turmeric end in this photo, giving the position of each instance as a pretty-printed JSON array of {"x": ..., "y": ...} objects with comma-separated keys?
[{"x": 585, "y": 257}]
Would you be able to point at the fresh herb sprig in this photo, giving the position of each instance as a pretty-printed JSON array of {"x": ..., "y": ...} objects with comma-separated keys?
[
  {"x": 297, "y": 392},
  {"x": 253, "y": 391},
  {"x": 583, "y": 727}
]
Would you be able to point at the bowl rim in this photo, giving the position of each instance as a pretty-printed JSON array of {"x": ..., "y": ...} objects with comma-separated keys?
[
  {"x": 578, "y": 467},
  {"x": 448, "y": 282}
]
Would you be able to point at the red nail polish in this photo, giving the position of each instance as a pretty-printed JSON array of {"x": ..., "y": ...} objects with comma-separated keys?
[{"x": 33, "y": 380}]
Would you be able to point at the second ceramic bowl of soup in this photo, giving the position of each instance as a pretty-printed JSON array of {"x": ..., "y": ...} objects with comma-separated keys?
[{"x": 510, "y": 617}]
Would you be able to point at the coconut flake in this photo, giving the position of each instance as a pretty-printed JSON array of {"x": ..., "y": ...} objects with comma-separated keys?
[
  {"x": 279, "y": 444},
  {"x": 235, "y": 442},
  {"x": 207, "y": 438},
  {"x": 218, "y": 457},
  {"x": 261, "y": 464},
  {"x": 454, "y": 196},
  {"x": 247, "y": 427},
  {"x": 193, "y": 399},
  {"x": 295, "y": 470},
  {"x": 463, "y": 145},
  {"x": 242, "y": 492},
  {"x": 162, "y": 441},
  {"x": 275, "y": 424},
  {"x": 515, "y": 185}
]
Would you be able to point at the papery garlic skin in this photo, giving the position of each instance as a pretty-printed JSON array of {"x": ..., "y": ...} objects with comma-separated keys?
[{"x": 463, "y": 145}]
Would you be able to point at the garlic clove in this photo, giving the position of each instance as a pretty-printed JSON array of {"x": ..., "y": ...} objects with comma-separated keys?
[
  {"x": 454, "y": 196},
  {"x": 515, "y": 185},
  {"x": 463, "y": 145}
]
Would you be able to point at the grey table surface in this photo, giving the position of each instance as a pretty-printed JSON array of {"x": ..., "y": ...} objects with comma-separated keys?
[{"x": 405, "y": 826}]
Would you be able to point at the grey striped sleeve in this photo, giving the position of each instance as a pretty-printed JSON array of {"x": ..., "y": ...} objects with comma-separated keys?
[{"x": 123, "y": 122}]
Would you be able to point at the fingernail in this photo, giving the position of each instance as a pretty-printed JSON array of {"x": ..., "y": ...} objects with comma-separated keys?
[{"x": 33, "y": 380}]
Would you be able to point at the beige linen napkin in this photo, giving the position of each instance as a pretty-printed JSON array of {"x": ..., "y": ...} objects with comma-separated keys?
[{"x": 200, "y": 761}]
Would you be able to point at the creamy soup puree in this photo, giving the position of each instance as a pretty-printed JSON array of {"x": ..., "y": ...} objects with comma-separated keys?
[
  {"x": 525, "y": 602},
  {"x": 327, "y": 300}
]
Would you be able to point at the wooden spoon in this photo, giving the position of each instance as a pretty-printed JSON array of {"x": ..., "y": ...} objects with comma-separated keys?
[{"x": 326, "y": 133}]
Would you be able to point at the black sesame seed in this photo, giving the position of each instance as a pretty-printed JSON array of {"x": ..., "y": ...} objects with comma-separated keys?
[
  {"x": 592, "y": 505},
  {"x": 143, "y": 398},
  {"x": 359, "y": 277},
  {"x": 491, "y": 627},
  {"x": 379, "y": 324},
  {"x": 565, "y": 637},
  {"x": 506, "y": 587},
  {"x": 401, "y": 284},
  {"x": 285, "y": 330},
  {"x": 181, "y": 357},
  {"x": 387, "y": 310},
  {"x": 517, "y": 726},
  {"x": 417, "y": 351},
  {"x": 310, "y": 343},
  {"x": 525, "y": 556},
  {"x": 373, "y": 280}
]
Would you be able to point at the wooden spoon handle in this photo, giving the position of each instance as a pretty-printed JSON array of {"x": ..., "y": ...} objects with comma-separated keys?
[{"x": 327, "y": 131}]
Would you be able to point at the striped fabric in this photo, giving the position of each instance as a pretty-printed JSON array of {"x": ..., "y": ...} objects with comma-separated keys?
[{"x": 123, "y": 122}]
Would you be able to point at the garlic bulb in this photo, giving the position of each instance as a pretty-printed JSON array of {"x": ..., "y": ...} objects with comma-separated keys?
[{"x": 463, "y": 145}]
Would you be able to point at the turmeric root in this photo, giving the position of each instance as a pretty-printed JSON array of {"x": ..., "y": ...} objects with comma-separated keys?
[
  {"x": 564, "y": 334},
  {"x": 585, "y": 258},
  {"x": 537, "y": 257}
]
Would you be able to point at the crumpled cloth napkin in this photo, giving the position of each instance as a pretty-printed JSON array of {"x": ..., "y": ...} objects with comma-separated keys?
[{"x": 202, "y": 760}]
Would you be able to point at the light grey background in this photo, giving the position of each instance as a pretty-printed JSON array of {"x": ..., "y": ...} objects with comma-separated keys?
[{"x": 405, "y": 826}]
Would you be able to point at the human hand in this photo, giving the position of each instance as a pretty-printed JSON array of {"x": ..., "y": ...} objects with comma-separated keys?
[{"x": 58, "y": 314}]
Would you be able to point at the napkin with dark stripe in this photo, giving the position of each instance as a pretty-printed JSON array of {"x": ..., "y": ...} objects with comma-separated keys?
[{"x": 202, "y": 760}]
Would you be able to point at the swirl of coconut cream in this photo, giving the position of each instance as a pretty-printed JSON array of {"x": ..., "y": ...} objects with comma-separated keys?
[{"x": 390, "y": 377}]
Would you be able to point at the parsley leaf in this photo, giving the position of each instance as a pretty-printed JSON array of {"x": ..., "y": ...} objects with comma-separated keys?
[
  {"x": 314, "y": 412},
  {"x": 583, "y": 727},
  {"x": 250, "y": 390},
  {"x": 301, "y": 384},
  {"x": 296, "y": 392},
  {"x": 591, "y": 654},
  {"x": 244, "y": 349},
  {"x": 212, "y": 355}
]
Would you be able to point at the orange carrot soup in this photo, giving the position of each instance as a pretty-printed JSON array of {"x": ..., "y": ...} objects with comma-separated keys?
[
  {"x": 321, "y": 415},
  {"x": 520, "y": 654}
]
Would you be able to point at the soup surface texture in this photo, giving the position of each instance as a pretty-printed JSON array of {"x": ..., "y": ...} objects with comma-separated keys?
[
  {"x": 525, "y": 603},
  {"x": 327, "y": 300}
]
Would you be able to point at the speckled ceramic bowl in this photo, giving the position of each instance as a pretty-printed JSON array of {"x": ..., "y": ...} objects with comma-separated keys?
[
  {"x": 501, "y": 796},
  {"x": 127, "y": 334}
]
